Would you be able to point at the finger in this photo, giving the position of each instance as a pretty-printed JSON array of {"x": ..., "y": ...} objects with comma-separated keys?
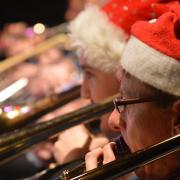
[
  {"x": 44, "y": 154},
  {"x": 108, "y": 153},
  {"x": 98, "y": 142},
  {"x": 58, "y": 150},
  {"x": 91, "y": 158},
  {"x": 49, "y": 146}
]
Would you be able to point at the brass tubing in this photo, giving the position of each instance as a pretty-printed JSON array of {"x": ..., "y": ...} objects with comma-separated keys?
[
  {"x": 78, "y": 166},
  {"x": 40, "y": 108},
  {"x": 120, "y": 150},
  {"x": 20, "y": 140},
  {"x": 47, "y": 44},
  {"x": 129, "y": 163}
]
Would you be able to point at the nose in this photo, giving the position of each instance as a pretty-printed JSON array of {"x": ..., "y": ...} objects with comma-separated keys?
[
  {"x": 113, "y": 121},
  {"x": 85, "y": 92}
]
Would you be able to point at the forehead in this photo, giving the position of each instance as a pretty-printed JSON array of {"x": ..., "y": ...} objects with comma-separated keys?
[{"x": 132, "y": 87}]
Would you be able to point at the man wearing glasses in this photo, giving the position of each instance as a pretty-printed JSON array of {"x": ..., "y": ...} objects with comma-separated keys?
[
  {"x": 99, "y": 48},
  {"x": 149, "y": 109}
]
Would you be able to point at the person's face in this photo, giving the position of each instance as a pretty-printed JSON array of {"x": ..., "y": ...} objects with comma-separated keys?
[
  {"x": 143, "y": 124},
  {"x": 98, "y": 85},
  {"x": 15, "y": 39},
  {"x": 96, "y": 2},
  {"x": 74, "y": 7}
]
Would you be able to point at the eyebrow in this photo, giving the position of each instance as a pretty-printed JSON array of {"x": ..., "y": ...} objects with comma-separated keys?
[{"x": 85, "y": 67}]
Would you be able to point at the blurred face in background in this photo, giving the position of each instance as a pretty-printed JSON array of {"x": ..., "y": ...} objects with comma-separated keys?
[
  {"x": 96, "y": 2},
  {"x": 13, "y": 38},
  {"x": 18, "y": 37},
  {"x": 74, "y": 7}
]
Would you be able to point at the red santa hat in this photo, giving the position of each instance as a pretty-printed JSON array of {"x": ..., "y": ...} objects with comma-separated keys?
[
  {"x": 101, "y": 33},
  {"x": 153, "y": 52}
]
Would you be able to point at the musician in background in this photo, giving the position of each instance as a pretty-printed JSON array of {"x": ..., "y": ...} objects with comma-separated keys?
[
  {"x": 42, "y": 70},
  {"x": 99, "y": 49},
  {"x": 11, "y": 34},
  {"x": 17, "y": 37},
  {"x": 74, "y": 7},
  {"x": 54, "y": 71},
  {"x": 39, "y": 157},
  {"x": 150, "y": 67}
]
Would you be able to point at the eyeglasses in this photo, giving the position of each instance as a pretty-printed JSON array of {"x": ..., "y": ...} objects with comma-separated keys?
[{"x": 120, "y": 103}]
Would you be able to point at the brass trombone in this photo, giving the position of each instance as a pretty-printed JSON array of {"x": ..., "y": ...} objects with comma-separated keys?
[
  {"x": 59, "y": 39},
  {"x": 37, "y": 109},
  {"x": 15, "y": 142},
  {"x": 78, "y": 166},
  {"x": 125, "y": 164}
]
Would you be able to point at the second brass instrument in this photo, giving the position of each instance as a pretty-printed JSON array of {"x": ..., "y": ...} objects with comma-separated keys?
[
  {"x": 16, "y": 142},
  {"x": 54, "y": 41},
  {"x": 77, "y": 167},
  {"x": 38, "y": 109}
]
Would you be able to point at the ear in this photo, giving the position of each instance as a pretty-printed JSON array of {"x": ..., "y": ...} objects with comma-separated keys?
[{"x": 176, "y": 110}]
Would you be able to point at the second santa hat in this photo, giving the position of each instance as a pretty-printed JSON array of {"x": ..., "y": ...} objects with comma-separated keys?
[{"x": 101, "y": 33}]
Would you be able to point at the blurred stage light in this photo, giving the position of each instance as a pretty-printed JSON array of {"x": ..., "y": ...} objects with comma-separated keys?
[{"x": 39, "y": 28}]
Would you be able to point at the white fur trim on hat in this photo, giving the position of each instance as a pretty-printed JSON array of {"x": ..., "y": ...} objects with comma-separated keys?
[
  {"x": 151, "y": 66},
  {"x": 97, "y": 39}
]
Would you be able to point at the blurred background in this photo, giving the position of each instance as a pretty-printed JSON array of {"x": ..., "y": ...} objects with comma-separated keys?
[
  {"x": 48, "y": 12},
  {"x": 37, "y": 65}
]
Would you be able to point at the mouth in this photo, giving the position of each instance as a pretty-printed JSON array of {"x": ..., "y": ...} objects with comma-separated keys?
[{"x": 121, "y": 147}]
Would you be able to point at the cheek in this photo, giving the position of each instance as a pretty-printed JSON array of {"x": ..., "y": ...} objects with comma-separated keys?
[
  {"x": 104, "y": 126},
  {"x": 145, "y": 127},
  {"x": 96, "y": 90},
  {"x": 132, "y": 127}
]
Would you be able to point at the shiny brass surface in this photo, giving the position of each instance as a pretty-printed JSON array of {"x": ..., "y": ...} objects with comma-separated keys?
[
  {"x": 17, "y": 141},
  {"x": 59, "y": 39},
  {"x": 35, "y": 110},
  {"x": 123, "y": 165}
]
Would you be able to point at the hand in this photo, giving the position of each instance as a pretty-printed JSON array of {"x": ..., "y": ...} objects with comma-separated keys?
[
  {"x": 91, "y": 158},
  {"x": 98, "y": 141},
  {"x": 44, "y": 151},
  {"x": 72, "y": 144},
  {"x": 107, "y": 155}
]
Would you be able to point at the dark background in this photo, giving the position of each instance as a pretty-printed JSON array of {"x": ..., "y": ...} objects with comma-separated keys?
[{"x": 49, "y": 12}]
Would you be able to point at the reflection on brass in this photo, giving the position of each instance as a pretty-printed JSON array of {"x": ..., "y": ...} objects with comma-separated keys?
[
  {"x": 12, "y": 117},
  {"x": 126, "y": 164},
  {"x": 36, "y": 133},
  {"x": 120, "y": 150}
]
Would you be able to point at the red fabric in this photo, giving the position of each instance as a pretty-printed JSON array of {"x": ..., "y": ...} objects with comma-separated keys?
[
  {"x": 163, "y": 35},
  {"x": 124, "y": 13}
]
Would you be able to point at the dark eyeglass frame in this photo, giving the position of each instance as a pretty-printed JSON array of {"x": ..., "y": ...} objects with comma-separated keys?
[{"x": 120, "y": 102}]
